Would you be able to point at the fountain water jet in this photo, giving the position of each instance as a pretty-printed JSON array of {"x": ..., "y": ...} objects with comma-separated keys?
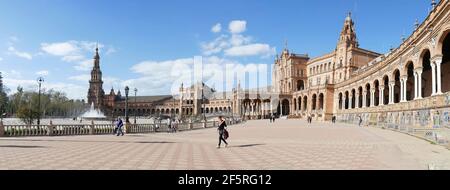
[{"x": 93, "y": 113}]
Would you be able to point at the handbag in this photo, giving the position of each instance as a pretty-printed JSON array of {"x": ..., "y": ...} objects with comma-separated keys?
[{"x": 225, "y": 134}]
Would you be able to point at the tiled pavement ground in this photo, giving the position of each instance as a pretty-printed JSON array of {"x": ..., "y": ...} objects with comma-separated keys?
[{"x": 287, "y": 144}]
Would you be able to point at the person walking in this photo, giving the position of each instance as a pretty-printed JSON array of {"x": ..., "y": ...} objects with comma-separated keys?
[
  {"x": 175, "y": 129},
  {"x": 169, "y": 125},
  {"x": 360, "y": 121},
  {"x": 222, "y": 131},
  {"x": 119, "y": 127}
]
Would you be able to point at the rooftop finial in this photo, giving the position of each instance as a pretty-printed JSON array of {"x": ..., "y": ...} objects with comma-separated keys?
[
  {"x": 285, "y": 44},
  {"x": 96, "y": 47},
  {"x": 349, "y": 16},
  {"x": 416, "y": 24},
  {"x": 403, "y": 38},
  {"x": 433, "y": 3}
]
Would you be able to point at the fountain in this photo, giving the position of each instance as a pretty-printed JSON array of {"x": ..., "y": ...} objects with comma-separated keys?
[{"x": 93, "y": 113}]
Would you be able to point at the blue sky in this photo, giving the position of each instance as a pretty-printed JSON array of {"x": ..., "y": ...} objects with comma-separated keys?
[{"x": 141, "y": 41}]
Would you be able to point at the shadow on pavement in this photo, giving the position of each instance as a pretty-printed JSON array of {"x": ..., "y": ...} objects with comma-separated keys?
[
  {"x": 20, "y": 146},
  {"x": 247, "y": 145},
  {"x": 81, "y": 141}
]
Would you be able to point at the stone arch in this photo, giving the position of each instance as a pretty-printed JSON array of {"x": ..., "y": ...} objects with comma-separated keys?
[
  {"x": 360, "y": 96},
  {"x": 424, "y": 64},
  {"x": 376, "y": 85},
  {"x": 367, "y": 88},
  {"x": 313, "y": 102},
  {"x": 305, "y": 103},
  {"x": 410, "y": 86},
  {"x": 346, "y": 103},
  {"x": 300, "y": 85},
  {"x": 396, "y": 79},
  {"x": 299, "y": 100},
  {"x": 353, "y": 100},
  {"x": 445, "y": 64},
  {"x": 285, "y": 103},
  {"x": 321, "y": 101},
  {"x": 340, "y": 101},
  {"x": 386, "y": 91},
  {"x": 440, "y": 40}
]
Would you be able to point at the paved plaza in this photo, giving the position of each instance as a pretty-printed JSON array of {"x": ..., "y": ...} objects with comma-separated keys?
[{"x": 287, "y": 144}]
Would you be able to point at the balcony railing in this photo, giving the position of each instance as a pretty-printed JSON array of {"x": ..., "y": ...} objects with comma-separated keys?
[{"x": 98, "y": 129}]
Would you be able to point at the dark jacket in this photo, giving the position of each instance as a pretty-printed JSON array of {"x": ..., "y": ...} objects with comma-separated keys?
[
  {"x": 120, "y": 123},
  {"x": 222, "y": 125}
]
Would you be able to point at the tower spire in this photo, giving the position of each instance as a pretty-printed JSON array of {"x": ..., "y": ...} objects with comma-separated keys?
[{"x": 348, "y": 34}]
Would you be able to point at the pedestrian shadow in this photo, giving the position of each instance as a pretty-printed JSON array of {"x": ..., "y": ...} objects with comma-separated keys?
[
  {"x": 20, "y": 146},
  {"x": 247, "y": 145},
  {"x": 156, "y": 142},
  {"x": 86, "y": 141}
]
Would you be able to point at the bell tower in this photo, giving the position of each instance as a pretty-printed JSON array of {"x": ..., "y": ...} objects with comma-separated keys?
[
  {"x": 347, "y": 41},
  {"x": 96, "y": 93}
]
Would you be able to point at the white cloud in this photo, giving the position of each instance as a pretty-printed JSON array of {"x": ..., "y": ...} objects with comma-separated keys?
[
  {"x": 13, "y": 38},
  {"x": 216, "y": 28},
  {"x": 73, "y": 91},
  {"x": 236, "y": 44},
  {"x": 73, "y": 58},
  {"x": 165, "y": 77},
  {"x": 75, "y": 51},
  {"x": 237, "y": 40},
  {"x": 43, "y": 73},
  {"x": 251, "y": 50},
  {"x": 111, "y": 50},
  {"x": 216, "y": 46},
  {"x": 85, "y": 65},
  {"x": 24, "y": 55},
  {"x": 11, "y": 74},
  {"x": 83, "y": 78},
  {"x": 1, "y": 59},
  {"x": 61, "y": 49},
  {"x": 237, "y": 26}
]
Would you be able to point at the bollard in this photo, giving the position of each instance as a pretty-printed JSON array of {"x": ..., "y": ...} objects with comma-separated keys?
[
  {"x": 92, "y": 132},
  {"x": 50, "y": 129},
  {"x": 2, "y": 129},
  {"x": 191, "y": 126},
  {"x": 204, "y": 124}
]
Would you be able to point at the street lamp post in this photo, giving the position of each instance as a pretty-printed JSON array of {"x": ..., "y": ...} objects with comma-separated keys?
[
  {"x": 203, "y": 102},
  {"x": 135, "y": 92},
  {"x": 126, "y": 104},
  {"x": 40, "y": 80}
]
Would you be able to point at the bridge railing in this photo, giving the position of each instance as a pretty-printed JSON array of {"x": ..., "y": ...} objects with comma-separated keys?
[{"x": 96, "y": 129}]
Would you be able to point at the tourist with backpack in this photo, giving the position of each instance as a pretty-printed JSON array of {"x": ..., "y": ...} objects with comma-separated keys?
[
  {"x": 223, "y": 133},
  {"x": 119, "y": 128}
]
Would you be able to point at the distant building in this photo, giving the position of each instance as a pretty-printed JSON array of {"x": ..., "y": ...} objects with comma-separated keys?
[{"x": 405, "y": 85}]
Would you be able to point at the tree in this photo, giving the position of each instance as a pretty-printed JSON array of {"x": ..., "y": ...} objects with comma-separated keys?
[
  {"x": 3, "y": 96},
  {"x": 27, "y": 115}
]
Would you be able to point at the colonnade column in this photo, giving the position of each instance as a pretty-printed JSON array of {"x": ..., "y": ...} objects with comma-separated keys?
[
  {"x": 391, "y": 92},
  {"x": 357, "y": 105},
  {"x": 381, "y": 100},
  {"x": 415, "y": 85},
  {"x": 364, "y": 99},
  {"x": 433, "y": 78},
  {"x": 438, "y": 62},
  {"x": 350, "y": 101},
  {"x": 372, "y": 97}
]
